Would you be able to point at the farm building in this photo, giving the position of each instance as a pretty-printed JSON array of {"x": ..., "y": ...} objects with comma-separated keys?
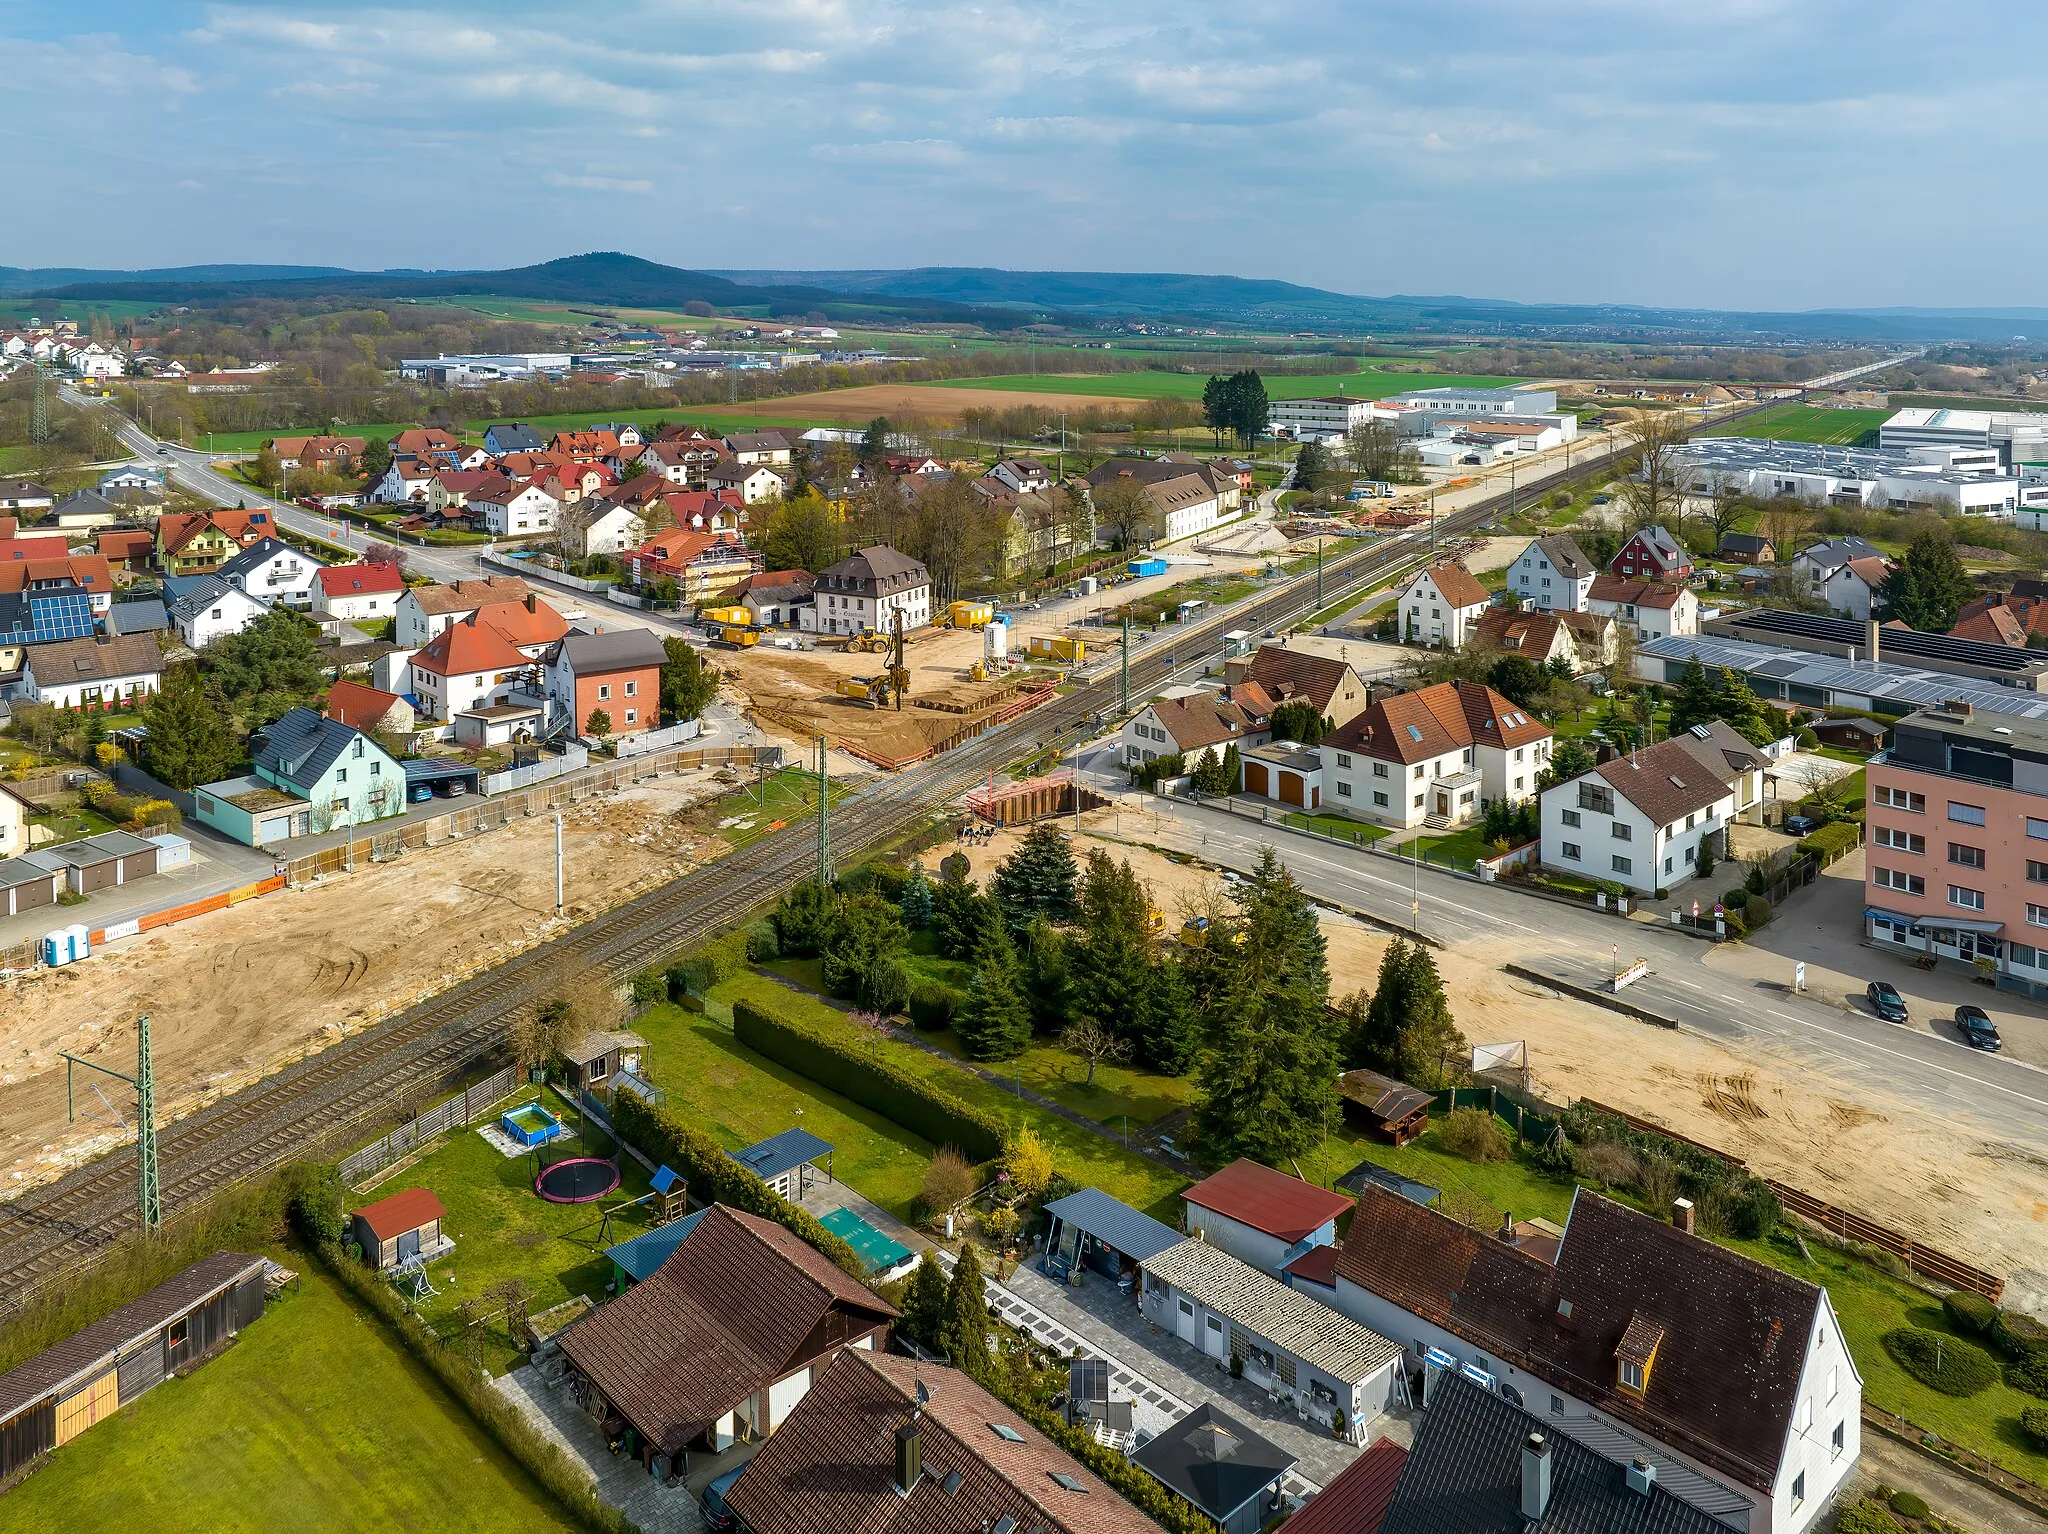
[
  {"x": 90, "y": 1375},
  {"x": 407, "y": 1224},
  {"x": 1261, "y": 1216},
  {"x": 1391, "y": 1109},
  {"x": 780, "y": 1160}
]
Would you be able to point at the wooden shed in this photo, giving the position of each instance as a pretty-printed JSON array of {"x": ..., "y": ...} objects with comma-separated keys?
[
  {"x": 595, "y": 1058},
  {"x": 91, "y": 1374},
  {"x": 407, "y": 1224},
  {"x": 1391, "y": 1109}
]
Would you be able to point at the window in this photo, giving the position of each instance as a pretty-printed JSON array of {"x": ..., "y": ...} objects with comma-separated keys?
[
  {"x": 1418, "y": 801},
  {"x": 1557, "y": 1406},
  {"x": 1379, "y": 769},
  {"x": 1968, "y": 899},
  {"x": 341, "y": 774},
  {"x": 1834, "y": 1383},
  {"x": 1799, "y": 1491},
  {"x": 604, "y": 691},
  {"x": 1805, "y": 1413},
  {"x": 1899, "y": 799},
  {"x": 1623, "y": 831},
  {"x": 1966, "y": 814},
  {"x": 1571, "y": 851},
  {"x": 632, "y": 689},
  {"x": 376, "y": 769},
  {"x": 1893, "y": 879},
  {"x": 1343, "y": 759},
  {"x": 359, "y": 748},
  {"x": 1343, "y": 790},
  {"x": 1623, "y": 865},
  {"x": 1631, "y": 1375},
  {"x": 1379, "y": 801},
  {"x": 2037, "y": 916},
  {"x": 1912, "y": 841},
  {"x": 1597, "y": 797},
  {"x": 1689, "y": 821},
  {"x": 1667, "y": 861},
  {"x": 1835, "y": 1444},
  {"x": 1965, "y": 857},
  {"x": 632, "y": 716},
  {"x": 1518, "y": 754},
  {"x": 1419, "y": 769},
  {"x": 2037, "y": 828},
  {"x": 180, "y": 1331},
  {"x": 1571, "y": 817}
]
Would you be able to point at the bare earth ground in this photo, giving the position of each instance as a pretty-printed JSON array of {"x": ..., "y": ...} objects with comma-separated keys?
[
  {"x": 240, "y": 992},
  {"x": 1875, "y": 1153},
  {"x": 930, "y": 401}
]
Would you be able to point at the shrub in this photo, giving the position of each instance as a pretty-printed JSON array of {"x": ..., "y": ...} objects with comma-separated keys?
[
  {"x": 1027, "y": 1162},
  {"x": 1609, "y": 1163},
  {"x": 932, "y": 1006},
  {"x": 720, "y": 959},
  {"x": 862, "y": 1070},
  {"x": 1806, "y": 739},
  {"x": 1736, "y": 926},
  {"x": 1755, "y": 912},
  {"x": 1906, "y": 1505},
  {"x": 1832, "y": 842},
  {"x": 762, "y": 942},
  {"x": 1968, "y": 1311},
  {"x": 1473, "y": 1134},
  {"x": 1754, "y": 1211},
  {"x": 2034, "y": 1423},
  {"x": 1734, "y": 899},
  {"x": 947, "y": 1181},
  {"x": 1866, "y": 1516},
  {"x": 1948, "y": 1364},
  {"x": 2019, "y": 1334}
]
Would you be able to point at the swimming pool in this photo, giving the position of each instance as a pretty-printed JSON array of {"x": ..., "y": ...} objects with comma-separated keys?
[
  {"x": 879, "y": 1254},
  {"x": 530, "y": 1125}
]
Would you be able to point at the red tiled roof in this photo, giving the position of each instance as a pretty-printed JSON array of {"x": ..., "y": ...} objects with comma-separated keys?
[
  {"x": 523, "y": 624},
  {"x": 1449, "y": 716},
  {"x": 1267, "y": 1200},
  {"x": 88, "y": 570},
  {"x": 469, "y": 646},
  {"x": 404, "y": 1211},
  {"x": 1458, "y": 585},
  {"x": 1296, "y": 674},
  {"x": 359, "y": 580},
  {"x": 1357, "y": 1500},
  {"x": 468, "y": 596},
  {"x": 359, "y": 706},
  {"x": 1634, "y": 593}
]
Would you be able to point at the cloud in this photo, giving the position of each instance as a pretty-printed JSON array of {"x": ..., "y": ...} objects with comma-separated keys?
[{"x": 597, "y": 183}]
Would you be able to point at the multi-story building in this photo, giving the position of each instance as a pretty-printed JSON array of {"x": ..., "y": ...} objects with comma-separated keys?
[
  {"x": 1957, "y": 859},
  {"x": 1441, "y": 606},
  {"x": 1640, "y": 819},
  {"x": 867, "y": 590},
  {"x": 1328, "y": 415},
  {"x": 1553, "y": 573},
  {"x": 1434, "y": 756}
]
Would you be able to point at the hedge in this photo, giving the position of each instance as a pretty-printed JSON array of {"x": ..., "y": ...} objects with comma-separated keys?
[
  {"x": 856, "y": 1068},
  {"x": 1948, "y": 1364},
  {"x": 720, "y": 959},
  {"x": 715, "y": 1178},
  {"x": 1832, "y": 842},
  {"x": 1968, "y": 1311},
  {"x": 2019, "y": 1334},
  {"x": 934, "y": 1006},
  {"x": 2034, "y": 1423}
]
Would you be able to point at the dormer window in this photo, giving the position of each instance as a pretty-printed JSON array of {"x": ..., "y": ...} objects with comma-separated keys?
[{"x": 1636, "y": 1355}]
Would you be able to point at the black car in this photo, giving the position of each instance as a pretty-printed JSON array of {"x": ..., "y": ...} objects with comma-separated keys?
[
  {"x": 1885, "y": 1001},
  {"x": 1800, "y": 825},
  {"x": 1979, "y": 1032},
  {"x": 717, "y": 1516}
]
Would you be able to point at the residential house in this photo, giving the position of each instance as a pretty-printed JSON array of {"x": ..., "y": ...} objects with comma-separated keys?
[
  {"x": 204, "y": 608},
  {"x": 1437, "y": 755},
  {"x": 467, "y": 665},
  {"x": 513, "y": 437},
  {"x": 1651, "y": 609},
  {"x": 40, "y": 614},
  {"x": 699, "y": 563},
  {"x": 778, "y": 602},
  {"x": 81, "y": 573},
  {"x": 1652, "y": 554},
  {"x": 517, "y": 511},
  {"x": 683, "y": 461},
  {"x": 758, "y": 447},
  {"x": 1640, "y": 819},
  {"x": 1024, "y": 476},
  {"x": 15, "y": 810},
  {"x": 274, "y": 572},
  {"x": 424, "y": 442},
  {"x": 361, "y": 593},
  {"x": 866, "y": 590},
  {"x": 85, "y": 509},
  {"x": 423, "y": 611},
  {"x": 1582, "y": 640},
  {"x": 1851, "y": 588},
  {"x": 312, "y": 774},
  {"x": 531, "y": 626},
  {"x": 335, "y": 455},
  {"x": 146, "y": 616},
  {"x": 408, "y": 481},
  {"x": 126, "y": 549},
  {"x": 1727, "y": 1379},
  {"x": 1327, "y": 684},
  {"x": 1441, "y": 606},
  {"x": 584, "y": 446},
  {"x": 596, "y": 526},
  {"x": 109, "y": 672},
  {"x": 1194, "y": 725},
  {"x": 1552, "y": 574},
  {"x": 454, "y": 487},
  {"x": 616, "y": 673},
  {"x": 723, "y": 1341},
  {"x": 752, "y": 483},
  {"x": 25, "y": 495},
  {"x": 369, "y": 709},
  {"x": 200, "y": 542},
  {"x": 1229, "y": 1474},
  {"x": 891, "y": 1445},
  {"x": 1822, "y": 560},
  {"x": 1260, "y": 1216},
  {"x": 1747, "y": 549}
]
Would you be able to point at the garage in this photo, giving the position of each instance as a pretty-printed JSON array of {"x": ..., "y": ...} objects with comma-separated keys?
[
  {"x": 1255, "y": 779},
  {"x": 1285, "y": 771}
]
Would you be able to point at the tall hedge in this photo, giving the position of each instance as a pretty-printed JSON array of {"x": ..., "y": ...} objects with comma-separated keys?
[
  {"x": 715, "y": 1178},
  {"x": 855, "y": 1067}
]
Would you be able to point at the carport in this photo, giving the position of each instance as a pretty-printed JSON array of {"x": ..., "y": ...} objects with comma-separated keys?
[
  {"x": 427, "y": 776},
  {"x": 1092, "y": 1230}
]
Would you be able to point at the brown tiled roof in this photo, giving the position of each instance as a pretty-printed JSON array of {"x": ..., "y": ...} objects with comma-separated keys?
[
  {"x": 1356, "y": 1501},
  {"x": 832, "y": 1464},
  {"x": 1636, "y": 593},
  {"x": 406, "y": 1210},
  {"x": 1735, "y": 1331},
  {"x": 1665, "y": 781},
  {"x": 1296, "y": 674},
  {"x": 1448, "y": 716},
  {"x": 739, "y": 1305},
  {"x": 95, "y": 660},
  {"x": 467, "y": 596},
  {"x": 1871, "y": 571},
  {"x": 1199, "y": 720},
  {"x": 1529, "y": 632},
  {"x": 1720, "y": 749},
  {"x": 1458, "y": 585},
  {"x": 1251, "y": 699},
  {"x": 1992, "y": 623}
]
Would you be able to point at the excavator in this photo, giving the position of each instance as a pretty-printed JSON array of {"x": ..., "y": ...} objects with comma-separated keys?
[{"x": 876, "y": 691}]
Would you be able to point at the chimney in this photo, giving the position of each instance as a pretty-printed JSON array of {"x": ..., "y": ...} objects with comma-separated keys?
[
  {"x": 1874, "y": 646},
  {"x": 1960, "y": 707},
  {"x": 1642, "y": 1475},
  {"x": 1535, "y": 1476},
  {"x": 1682, "y": 1215},
  {"x": 533, "y": 602},
  {"x": 1507, "y": 1228},
  {"x": 908, "y": 1469}
]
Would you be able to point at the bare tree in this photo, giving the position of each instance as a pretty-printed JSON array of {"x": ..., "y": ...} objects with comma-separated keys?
[
  {"x": 1094, "y": 1043},
  {"x": 1650, "y": 494},
  {"x": 573, "y": 999},
  {"x": 1126, "y": 511},
  {"x": 1374, "y": 450},
  {"x": 1784, "y": 522}
]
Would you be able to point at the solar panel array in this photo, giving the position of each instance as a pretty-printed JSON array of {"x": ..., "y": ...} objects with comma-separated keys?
[
  {"x": 1907, "y": 685},
  {"x": 1843, "y": 631}
]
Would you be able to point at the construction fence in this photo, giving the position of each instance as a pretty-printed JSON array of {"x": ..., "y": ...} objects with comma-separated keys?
[
  {"x": 1525, "y": 1122},
  {"x": 458, "y": 1111},
  {"x": 493, "y": 814}
]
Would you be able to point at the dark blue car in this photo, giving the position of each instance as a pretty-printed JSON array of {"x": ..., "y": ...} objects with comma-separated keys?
[
  {"x": 1979, "y": 1032},
  {"x": 1885, "y": 1001},
  {"x": 717, "y": 1516}
]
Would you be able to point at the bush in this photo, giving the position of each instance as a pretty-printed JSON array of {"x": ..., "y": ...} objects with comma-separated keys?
[
  {"x": 2034, "y": 1423},
  {"x": 1832, "y": 842},
  {"x": 762, "y": 942},
  {"x": 1755, "y": 912},
  {"x": 1866, "y": 1516},
  {"x": 1906, "y": 1505},
  {"x": 1734, "y": 899},
  {"x": 718, "y": 960},
  {"x": 933, "y": 1006},
  {"x": 1948, "y": 1364},
  {"x": 1806, "y": 739},
  {"x": 1754, "y": 1212},
  {"x": 948, "y": 1181},
  {"x": 1969, "y": 1312},
  {"x": 2029, "y": 1374},
  {"x": 2019, "y": 1334},
  {"x": 1737, "y": 927},
  {"x": 860, "y": 1069},
  {"x": 1474, "y": 1134}
]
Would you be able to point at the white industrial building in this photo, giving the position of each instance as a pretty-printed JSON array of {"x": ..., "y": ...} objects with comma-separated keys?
[
  {"x": 2019, "y": 437},
  {"x": 1329, "y": 415},
  {"x": 1965, "y": 479},
  {"x": 476, "y": 369}
]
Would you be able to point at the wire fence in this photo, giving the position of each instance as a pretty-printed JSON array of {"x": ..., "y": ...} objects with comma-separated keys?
[{"x": 459, "y": 1110}]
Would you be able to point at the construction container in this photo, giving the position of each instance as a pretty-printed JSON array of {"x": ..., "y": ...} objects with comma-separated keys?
[
  {"x": 719, "y": 617},
  {"x": 1058, "y": 647},
  {"x": 740, "y": 637},
  {"x": 1146, "y": 567},
  {"x": 969, "y": 615},
  {"x": 1090, "y": 585}
]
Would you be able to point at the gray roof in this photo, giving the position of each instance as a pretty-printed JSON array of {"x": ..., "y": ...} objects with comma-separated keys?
[
  {"x": 613, "y": 650},
  {"x": 877, "y": 571},
  {"x": 517, "y": 437},
  {"x": 780, "y": 1153},
  {"x": 1273, "y": 1311},
  {"x": 651, "y": 1248},
  {"x": 1138, "y": 1236},
  {"x": 104, "y": 848},
  {"x": 1464, "y": 1476},
  {"x": 302, "y": 745},
  {"x": 1213, "y": 1460},
  {"x": 86, "y": 502},
  {"x": 1832, "y": 553},
  {"x": 260, "y": 553},
  {"x": 1566, "y": 556},
  {"x": 138, "y": 617},
  {"x": 594, "y": 1046},
  {"x": 1771, "y": 670},
  {"x": 24, "y": 870},
  {"x": 192, "y": 595}
]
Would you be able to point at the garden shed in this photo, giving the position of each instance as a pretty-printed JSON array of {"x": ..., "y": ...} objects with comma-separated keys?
[
  {"x": 780, "y": 1160},
  {"x": 91, "y": 1374},
  {"x": 405, "y": 1225},
  {"x": 1091, "y": 1230},
  {"x": 1390, "y": 1109},
  {"x": 593, "y": 1060}
]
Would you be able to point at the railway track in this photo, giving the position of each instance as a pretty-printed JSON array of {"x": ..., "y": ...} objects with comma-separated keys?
[{"x": 317, "y": 1103}]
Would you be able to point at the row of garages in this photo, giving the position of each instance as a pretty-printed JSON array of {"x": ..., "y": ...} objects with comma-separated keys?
[{"x": 84, "y": 867}]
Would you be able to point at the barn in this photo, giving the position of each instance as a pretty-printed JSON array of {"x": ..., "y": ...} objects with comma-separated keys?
[{"x": 94, "y": 1372}]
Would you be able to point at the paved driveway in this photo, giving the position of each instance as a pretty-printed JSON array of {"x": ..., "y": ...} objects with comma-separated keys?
[{"x": 621, "y": 1483}]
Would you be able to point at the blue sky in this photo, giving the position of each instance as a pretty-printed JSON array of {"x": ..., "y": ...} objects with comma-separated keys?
[{"x": 1736, "y": 153}]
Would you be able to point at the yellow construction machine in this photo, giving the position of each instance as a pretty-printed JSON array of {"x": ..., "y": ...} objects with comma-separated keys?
[{"x": 876, "y": 691}]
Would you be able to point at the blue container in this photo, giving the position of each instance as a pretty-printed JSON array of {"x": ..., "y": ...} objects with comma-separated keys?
[
  {"x": 530, "y": 1125},
  {"x": 1146, "y": 567}
]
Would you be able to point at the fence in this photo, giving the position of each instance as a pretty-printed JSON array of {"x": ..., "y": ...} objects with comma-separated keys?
[
  {"x": 1525, "y": 1122},
  {"x": 574, "y": 758},
  {"x": 1919, "y": 1257},
  {"x": 657, "y": 740},
  {"x": 458, "y": 1110},
  {"x": 540, "y": 565},
  {"x": 495, "y": 813}
]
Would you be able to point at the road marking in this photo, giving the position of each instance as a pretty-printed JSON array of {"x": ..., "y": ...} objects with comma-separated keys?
[{"x": 1899, "y": 1054}]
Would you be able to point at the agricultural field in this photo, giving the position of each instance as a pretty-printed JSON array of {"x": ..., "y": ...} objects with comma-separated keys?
[
  {"x": 1809, "y": 423},
  {"x": 314, "y": 1418},
  {"x": 250, "y": 441},
  {"x": 1367, "y": 383}
]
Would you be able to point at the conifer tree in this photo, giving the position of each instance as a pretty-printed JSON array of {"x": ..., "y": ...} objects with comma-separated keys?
[
  {"x": 1108, "y": 965},
  {"x": 1169, "y": 1030},
  {"x": 1038, "y": 879},
  {"x": 965, "y": 1333},
  {"x": 190, "y": 741},
  {"x": 924, "y": 1302},
  {"x": 995, "y": 1021}
]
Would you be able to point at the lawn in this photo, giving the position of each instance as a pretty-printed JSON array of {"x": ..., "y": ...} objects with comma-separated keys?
[
  {"x": 1082, "y": 1155},
  {"x": 1463, "y": 848},
  {"x": 314, "y": 1418},
  {"x": 750, "y": 812},
  {"x": 1357, "y": 832},
  {"x": 250, "y": 441},
  {"x": 1369, "y": 384},
  {"x": 1123, "y": 1098},
  {"x": 73, "y": 825},
  {"x": 1807, "y": 423}
]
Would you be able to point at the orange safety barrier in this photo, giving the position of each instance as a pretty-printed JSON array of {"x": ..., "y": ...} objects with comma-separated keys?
[
  {"x": 260, "y": 887},
  {"x": 183, "y": 912}
]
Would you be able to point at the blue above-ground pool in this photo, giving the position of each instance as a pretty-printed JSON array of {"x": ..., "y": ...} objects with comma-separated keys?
[{"x": 531, "y": 1124}]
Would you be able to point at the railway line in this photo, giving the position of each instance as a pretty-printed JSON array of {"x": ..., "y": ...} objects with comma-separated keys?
[{"x": 320, "y": 1103}]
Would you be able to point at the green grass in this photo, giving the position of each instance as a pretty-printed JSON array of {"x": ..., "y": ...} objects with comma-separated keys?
[
  {"x": 314, "y": 1418},
  {"x": 250, "y": 441},
  {"x": 1343, "y": 827},
  {"x": 74, "y": 825},
  {"x": 1369, "y": 384},
  {"x": 1085, "y": 1157},
  {"x": 1465, "y": 847},
  {"x": 1121, "y": 1098},
  {"x": 1807, "y": 423},
  {"x": 757, "y": 808}
]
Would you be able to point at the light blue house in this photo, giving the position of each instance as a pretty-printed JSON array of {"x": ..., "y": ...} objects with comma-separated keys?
[{"x": 312, "y": 775}]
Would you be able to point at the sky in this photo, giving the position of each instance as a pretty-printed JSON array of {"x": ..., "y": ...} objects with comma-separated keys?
[{"x": 1753, "y": 154}]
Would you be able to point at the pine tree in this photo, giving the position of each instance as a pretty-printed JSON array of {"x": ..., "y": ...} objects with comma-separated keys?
[
  {"x": 1929, "y": 587},
  {"x": 964, "y": 1334},
  {"x": 1698, "y": 700},
  {"x": 1430, "y": 1039},
  {"x": 804, "y": 920},
  {"x": 924, "y": 1302},
  {"x": 1375, "y": 1041},
  {"x": 1108, "y": 965},
  {"x": 190, "y": 741},
  {"x": 995, "y": 1022},
  {"x": 916, "y": 902},
  {"x": 1744, "y": 712},
  {"x": 956, "y": 918},
  {"x": 1038, "y": 879},
  {"x": 1269, "y": 1075},
  {"x": 1047, "y": 980},
  {"x": 1169, "y": 1029}
]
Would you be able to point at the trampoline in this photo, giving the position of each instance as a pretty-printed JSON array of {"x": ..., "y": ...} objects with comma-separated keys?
[{"x": 577, "y": 1180}]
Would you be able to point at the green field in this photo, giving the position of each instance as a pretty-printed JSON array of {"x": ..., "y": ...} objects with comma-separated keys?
[
  {"x": 1370, "y": 384},
  {"x": 250, "y": 441},
  {"x": 711, "y": 419},
  {"x": 314, "y": 1418},
  {"x": 1808, "y": 423}
]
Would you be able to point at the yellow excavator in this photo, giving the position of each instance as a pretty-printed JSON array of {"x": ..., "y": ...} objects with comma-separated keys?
[{"x": 876, "y": 691}]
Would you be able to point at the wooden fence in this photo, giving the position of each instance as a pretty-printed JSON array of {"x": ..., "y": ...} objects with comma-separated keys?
[
  {"x": 1925, "y": 1260},
  {"x": 458, "y": 1111},
  {"x": 491, "y": 814}
]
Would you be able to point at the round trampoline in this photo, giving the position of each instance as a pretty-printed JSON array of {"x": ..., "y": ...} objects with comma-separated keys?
[{"x": 577, "y": 1180}]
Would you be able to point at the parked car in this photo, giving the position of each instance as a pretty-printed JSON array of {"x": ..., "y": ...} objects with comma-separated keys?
[
  {"x": 1885, "y": 1001},
  {"x": 1979, "y": 1032},
  {"x": 717, "y": 1516},
  {"x": 1800, "y": 825}
]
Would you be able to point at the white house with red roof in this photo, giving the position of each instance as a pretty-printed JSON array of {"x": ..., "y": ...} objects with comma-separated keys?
[
  {"x": 1434, "y": 756},
  {"x": 517, "y": 511},
  {"x": 1441, "y": 606},
  {"x": 1263, "y": 1218},
  {"x": 470, "y": 664},
  {"x": 1653, "y": 609}
]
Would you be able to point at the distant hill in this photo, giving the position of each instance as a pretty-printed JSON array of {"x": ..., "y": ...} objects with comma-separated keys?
[{"x": 37, "y": 279}]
